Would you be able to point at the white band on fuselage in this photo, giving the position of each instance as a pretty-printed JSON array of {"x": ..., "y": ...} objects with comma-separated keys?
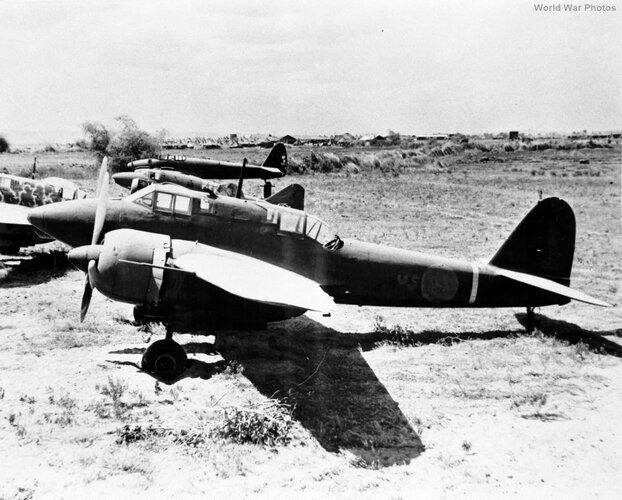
[{"x": 474, "y": 284}]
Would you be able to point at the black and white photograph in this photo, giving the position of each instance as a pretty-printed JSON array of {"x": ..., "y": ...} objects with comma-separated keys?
[{"x": 311, "y": 249}]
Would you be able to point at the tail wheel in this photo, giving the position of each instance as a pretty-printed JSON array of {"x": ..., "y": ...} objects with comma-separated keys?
[{"x": 165, "y": 358}]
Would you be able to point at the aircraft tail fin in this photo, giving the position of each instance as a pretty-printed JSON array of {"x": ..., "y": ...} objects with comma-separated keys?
[
  {"x": 277, "y": 158},
  {"x": 293, "y": 196},
  {"x": 542, "y": 244}
]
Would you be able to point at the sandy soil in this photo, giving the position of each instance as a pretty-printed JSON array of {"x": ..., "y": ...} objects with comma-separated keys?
[{"x": 450, "y": 404}]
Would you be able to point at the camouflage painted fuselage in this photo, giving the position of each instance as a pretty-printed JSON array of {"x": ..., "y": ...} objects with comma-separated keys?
[{"x": 22, "y": 194}]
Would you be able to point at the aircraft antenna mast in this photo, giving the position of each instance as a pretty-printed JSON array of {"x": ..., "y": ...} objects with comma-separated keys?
[{"x": 238, "y": 193}]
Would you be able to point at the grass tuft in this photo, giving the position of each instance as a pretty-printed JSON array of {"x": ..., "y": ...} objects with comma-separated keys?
[{"x": 269, "y": 426}]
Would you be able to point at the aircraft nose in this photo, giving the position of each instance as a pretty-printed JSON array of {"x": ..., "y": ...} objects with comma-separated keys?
[
  {"x": 36, "y": 217},
  {"x": 69, "y": 221}
]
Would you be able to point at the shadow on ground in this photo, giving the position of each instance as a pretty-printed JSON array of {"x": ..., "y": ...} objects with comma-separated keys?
[
  {"x": 574, "y": 334},
  {"x": 32, "y": 269},
  {"x": 335, "y": 394},
  {"x": 337, "y": 397}
]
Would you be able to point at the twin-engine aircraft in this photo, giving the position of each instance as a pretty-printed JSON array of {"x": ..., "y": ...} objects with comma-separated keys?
[
  {"x": 17, "y": 196},
  {"x": 193, "y": 173},
  {"x": 199, "y": 261}
]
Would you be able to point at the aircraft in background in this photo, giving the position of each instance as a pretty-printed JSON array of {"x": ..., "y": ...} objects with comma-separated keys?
[
  {"x": 193, "y": 172},
  {"x": 18, "y": 195},
  {"x": 198, "y": 261}
]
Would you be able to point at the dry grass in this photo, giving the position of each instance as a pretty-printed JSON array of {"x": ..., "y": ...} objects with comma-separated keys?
[{"x": 382, "y": 402}]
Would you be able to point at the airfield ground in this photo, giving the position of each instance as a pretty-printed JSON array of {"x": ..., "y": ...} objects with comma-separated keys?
[{"x": 384, "y": 402}]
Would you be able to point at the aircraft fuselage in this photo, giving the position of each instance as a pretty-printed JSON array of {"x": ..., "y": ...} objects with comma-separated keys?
[{"x": 352, "y": 272}]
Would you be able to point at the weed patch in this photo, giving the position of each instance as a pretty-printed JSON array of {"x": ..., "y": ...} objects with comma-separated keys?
[{"x": 269, "y": 426}]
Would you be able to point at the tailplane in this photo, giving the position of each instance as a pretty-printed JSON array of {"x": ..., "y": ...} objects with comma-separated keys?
[
  {"x": 539, "y": 252},
  {"x": 293, "y": 196},
  {"x": 542, "y": 244}
]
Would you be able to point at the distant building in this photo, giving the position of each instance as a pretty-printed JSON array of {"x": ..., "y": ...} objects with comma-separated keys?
[
  {"x": 346, "y": 139},
  {"x": 432, "y": 137},
  {"x": 315, "y": 140},
  {"x": 208, "y": 143},
  {"x": 371, "y": 140},
  {"x": 288, "y": 139}
]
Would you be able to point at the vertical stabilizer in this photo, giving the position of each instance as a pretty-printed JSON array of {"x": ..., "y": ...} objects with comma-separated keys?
[
  {"x": 277, "y": 158},
  {"x": 542, "y": 244}
]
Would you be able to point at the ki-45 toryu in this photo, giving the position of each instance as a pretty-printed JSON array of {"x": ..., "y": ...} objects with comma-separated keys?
[
  {"x": 17, "y": 197},
  {"x": 198, "y": 261}
]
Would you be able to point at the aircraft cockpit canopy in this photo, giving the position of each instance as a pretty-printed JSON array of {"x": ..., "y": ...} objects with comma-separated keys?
[
  {"x": 298, "y": 222},
  {"x": 161, "y": 201},
  {"x": 288, "y": 221}
]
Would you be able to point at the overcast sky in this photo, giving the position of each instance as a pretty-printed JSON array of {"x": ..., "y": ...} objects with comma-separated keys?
[{"x": 308, "y": 67}]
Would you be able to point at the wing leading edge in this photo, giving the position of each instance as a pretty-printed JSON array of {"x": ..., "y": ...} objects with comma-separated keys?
[{"x": 254, "y": 279}]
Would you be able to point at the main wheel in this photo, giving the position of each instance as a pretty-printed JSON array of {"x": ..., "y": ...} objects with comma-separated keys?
[{"x": 165, "y": 358}]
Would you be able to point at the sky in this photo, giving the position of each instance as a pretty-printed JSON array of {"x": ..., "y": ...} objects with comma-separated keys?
[{"x": 308, "y": 67}]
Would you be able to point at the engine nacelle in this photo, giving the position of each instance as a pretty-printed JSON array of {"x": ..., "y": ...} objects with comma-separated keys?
[{"x": 131, "y": 282}]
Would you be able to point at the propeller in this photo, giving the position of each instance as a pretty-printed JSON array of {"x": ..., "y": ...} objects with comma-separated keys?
[{"x": 78, "y": 254}]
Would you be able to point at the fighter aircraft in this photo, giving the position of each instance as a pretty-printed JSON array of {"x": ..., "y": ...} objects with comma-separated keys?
[
  {"x": 199, "y": 261},
  {"x": 193, "y": 172},
  {"x": 17, "y": 196}
]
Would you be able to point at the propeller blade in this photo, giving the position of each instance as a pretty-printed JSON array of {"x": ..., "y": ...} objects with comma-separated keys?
[
  {"x": 100, "y": 213},
  {"x": 86, "y": 298},
  {"x": 102, "y": 170}
]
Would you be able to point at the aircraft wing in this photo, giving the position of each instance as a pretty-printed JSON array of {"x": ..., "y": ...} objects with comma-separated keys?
[
  {"x": 13, "y": 214},
  {"x": 254, "y": 279},
  {"x": 550, "y": 286}
]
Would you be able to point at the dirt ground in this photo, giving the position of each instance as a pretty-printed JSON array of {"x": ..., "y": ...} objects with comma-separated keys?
[{"x": 380, "y": 402}]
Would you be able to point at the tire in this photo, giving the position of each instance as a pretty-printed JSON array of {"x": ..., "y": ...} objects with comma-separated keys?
[{"x": 165, "y": 358}]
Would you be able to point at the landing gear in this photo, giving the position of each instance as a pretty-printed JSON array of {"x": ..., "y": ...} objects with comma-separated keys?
[
  {"x": 530, "y": 319},
  {"x": 144, "y": 315},
  {"x": 165, "y": 358}
]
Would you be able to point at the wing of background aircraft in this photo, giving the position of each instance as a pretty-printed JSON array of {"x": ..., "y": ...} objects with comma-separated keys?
[
  {"x": 254, "y": 279},
  {"x": 14, "y": 214},
  {"x": 15, "y": 230}
]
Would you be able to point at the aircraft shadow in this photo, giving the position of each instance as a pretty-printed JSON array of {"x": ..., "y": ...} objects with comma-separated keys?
[
  {"x": 40, "y": 268},
  {"x": 336, "y": 396},
  {"x": 574, "y": 334},
  {"x": 195, "y": 369}
]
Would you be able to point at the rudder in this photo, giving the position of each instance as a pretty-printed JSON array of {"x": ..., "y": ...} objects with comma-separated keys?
[
  {"x": 542, "y": 244},
  {"x": 277, "y": 158}
]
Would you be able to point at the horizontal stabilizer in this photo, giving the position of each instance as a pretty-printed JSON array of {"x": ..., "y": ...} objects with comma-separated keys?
[
  {"x": 254, "y": 279},
  {"x": 550, "y": 286},
  {"x": 292, "y": 196}
]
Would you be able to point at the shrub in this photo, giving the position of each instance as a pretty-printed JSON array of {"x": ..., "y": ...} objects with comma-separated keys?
[
  {"x": 98, "y": 137},
  {"x": 4, "y": 145},
  {"x": 130, "y": 144},
  {"x": 271, "y": 426}
]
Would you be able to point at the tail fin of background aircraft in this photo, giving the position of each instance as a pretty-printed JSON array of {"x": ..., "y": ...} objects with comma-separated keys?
[
  {"x": 542, "y": 244},
  {"x": 277, "y": 158},
  {"x": 293, "y": 196}
]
